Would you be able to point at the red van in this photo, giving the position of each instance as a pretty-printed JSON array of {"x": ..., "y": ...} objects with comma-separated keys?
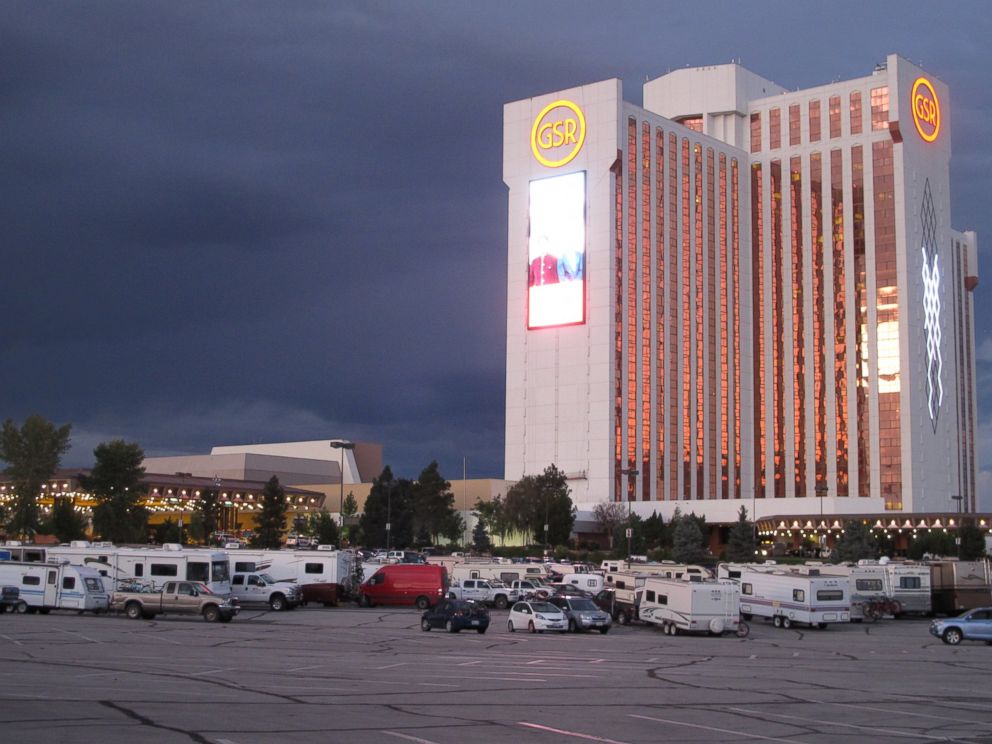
[{"x": 422, "y": 585}]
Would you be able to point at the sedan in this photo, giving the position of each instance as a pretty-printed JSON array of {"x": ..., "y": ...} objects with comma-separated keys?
[
  {"x": 583, "y": 614},
  {"x": 974, "y": 625},
  {"x": 456, "y": 614},
  {"x": 536, "y": 617}
]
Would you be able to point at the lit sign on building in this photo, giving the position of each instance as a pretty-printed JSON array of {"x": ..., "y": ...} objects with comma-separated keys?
[
  {"x": 558, "y": 133},
  {"x": 926, "y": 109},
  {"x": 556, "y": 251}
]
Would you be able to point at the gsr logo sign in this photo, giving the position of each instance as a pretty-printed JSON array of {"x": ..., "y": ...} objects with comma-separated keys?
[
  {"x": 558, "y": 134},
  {"x": 926, "y": 109}
]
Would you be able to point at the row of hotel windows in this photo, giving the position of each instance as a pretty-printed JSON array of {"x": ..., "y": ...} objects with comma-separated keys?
[{"x": 878, "y": 100}]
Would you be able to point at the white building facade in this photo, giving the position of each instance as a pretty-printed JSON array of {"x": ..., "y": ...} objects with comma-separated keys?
[{"x": 739, "y": 294}]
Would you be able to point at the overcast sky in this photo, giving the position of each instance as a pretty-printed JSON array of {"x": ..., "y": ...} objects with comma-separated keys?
[{"x": 225, "y": 223}]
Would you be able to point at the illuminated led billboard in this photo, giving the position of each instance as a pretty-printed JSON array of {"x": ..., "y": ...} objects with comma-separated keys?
[{"x": 557, "y": 251}]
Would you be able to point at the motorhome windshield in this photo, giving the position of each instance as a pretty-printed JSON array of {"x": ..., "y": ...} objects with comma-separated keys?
[
  {"x": 220, "y": 570},
  {"x": 93, "y": 585}
]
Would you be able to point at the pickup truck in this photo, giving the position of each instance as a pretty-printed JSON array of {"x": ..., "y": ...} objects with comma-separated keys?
[
  {"x": 261, "y": 587},
  {"x": 179, "y": 597},
  {"x": 479, "y": 590}
]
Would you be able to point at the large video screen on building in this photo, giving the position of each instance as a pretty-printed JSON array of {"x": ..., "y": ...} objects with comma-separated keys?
[{"x": 557, "y": 251}]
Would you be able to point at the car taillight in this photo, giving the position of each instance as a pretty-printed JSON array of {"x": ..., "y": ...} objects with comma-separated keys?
[{"x": 459, "y": 613}]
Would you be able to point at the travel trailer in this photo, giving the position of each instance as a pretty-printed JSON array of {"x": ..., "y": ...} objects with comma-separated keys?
[
  {"x": 685, "y": 606},
  {"x": 788, "y": 597},
  {"x": 55, "y": 586}
]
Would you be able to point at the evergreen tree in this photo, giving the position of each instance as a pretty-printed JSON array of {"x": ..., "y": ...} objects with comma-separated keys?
[
  {"x": 65, "y": 522},
  {"x": 687, "y": 540},
  {"x": 321, "y": 525},
  {"x": 391, "y": 501},
  {"x": 480, "y": 538},
  {"x": 855, "y": 544},
  {"x": 741, "y": 544},
  {"x": 433, "y": 505},
  {"x": 32, "y": 453},
  {"x": 972, "y": 545},
  {"x": 655, "y": 534},
  {"x": 116, "y": 483},
  {"x": 206, "y": 512},
  {"x": 167, "y": 532},
  {"x": 937, "y": 544},
  {"x": 534, "y": 501},
  {"x": 271, "y": 521},
  {"x": 349, "y": 508}
]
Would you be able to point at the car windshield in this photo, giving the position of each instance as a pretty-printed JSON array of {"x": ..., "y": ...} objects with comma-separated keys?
[
  {"x": 544, "y": 607},
  {"x": 582, "y": 604},
  {"x": 201, "y": 588}
]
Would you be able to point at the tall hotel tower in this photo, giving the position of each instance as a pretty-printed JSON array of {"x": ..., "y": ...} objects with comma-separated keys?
[{"x": 741, "y": 294}]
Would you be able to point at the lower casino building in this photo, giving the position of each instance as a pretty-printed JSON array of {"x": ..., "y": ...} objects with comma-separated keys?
[{"x": 740, "y": 294}]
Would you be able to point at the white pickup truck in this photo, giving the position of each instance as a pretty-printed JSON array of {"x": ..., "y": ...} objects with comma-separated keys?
[
  {"x": 494, "y": 593},
  {"x": 261, "y": 588}
]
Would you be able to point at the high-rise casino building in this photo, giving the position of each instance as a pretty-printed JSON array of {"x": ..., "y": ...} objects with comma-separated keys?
[{"x": 741, "y": 294}]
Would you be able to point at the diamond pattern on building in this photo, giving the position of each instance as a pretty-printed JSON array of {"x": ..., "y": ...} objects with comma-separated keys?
[{"x": 931, "y": 306}]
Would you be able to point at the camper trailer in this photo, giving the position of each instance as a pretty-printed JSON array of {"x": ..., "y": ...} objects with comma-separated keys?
[
  {"x": 325, "y": 576},
  {"x": 959, "y": 585},
  {"x": 788, "y": 597},
  {"x": 685, "y": 606},
  {"x": 908, "y": 584},
  {"x": 55, "y": 586},
  {"x": 149, "y": 566}
]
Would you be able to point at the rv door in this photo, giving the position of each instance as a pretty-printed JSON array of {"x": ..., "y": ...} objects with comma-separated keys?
[{"x": 51, "y": 589}]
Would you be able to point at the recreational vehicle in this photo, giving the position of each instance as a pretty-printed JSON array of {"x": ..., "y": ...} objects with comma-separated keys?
[
  {"x": 149, "y": 566},
  {"x": 686, "y": 606},
  {"x": 959, "y": 585},
  {"x": 788, "y": 597},
  {"x": 55, "y": 586},
  {"x": 325, "y": 576}
]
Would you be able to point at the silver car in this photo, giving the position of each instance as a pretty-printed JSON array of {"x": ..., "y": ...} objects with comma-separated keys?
[{"x": 583, "y": 614}]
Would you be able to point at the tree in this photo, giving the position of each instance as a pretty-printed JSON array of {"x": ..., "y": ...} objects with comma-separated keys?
[
  {"x": 116, "y": 483},
  {"x": 271, "y": 521},
  {"x": 349, "y": 508},
  {"x": 741, "y": 543},
  {"x": 972, "y": 545},
  {"x": 536, "y": 500},
  {"x": 937, "y": 543},
  {"x": 389, "y": 501},
  {"x": 206, "y": 511},
  {"x": 323, "y": 528},
  {"x": 65, "y": 522},
  {"x": 609, "y": 515},
  {"x": 687, "y": 540},
  {"x": 493, "y": 513},
  {"x": 167, "y": 532},
  {"x": 433, "y": 505},
  {"x": 855, "y": 543},
  {"x": 480, "y": 538},
  {"x": 655, "y": 534},
  {"x": 32, "y": 453}
]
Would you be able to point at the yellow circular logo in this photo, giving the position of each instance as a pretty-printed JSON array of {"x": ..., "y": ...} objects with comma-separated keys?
[
  {"x": 926, "y": 109},
  {"x": 558, "y": 133}
]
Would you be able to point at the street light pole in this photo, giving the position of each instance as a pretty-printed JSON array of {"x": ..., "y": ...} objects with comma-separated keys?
[
  {"x": 821, "y": 491},
  {"x": 389, "y": 514},
  {"x": 341, "y": 444},
  {"x": 183, "y": 477},
  {"x": 631, "y": 474}
]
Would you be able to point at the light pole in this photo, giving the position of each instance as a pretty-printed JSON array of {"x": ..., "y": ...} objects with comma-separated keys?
[
  {"x": 631, "y": 474},
  {"x": 821, "y": 491},
  {"x": 959, "y": 499},
  {"x": 389, "y": 514},
  {"x": 341, "y": 444}
]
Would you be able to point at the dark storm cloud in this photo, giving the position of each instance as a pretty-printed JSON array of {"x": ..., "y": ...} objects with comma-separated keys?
[{"x": 237, "y": 222}]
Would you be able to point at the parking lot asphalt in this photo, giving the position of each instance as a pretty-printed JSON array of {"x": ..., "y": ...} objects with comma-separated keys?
[{"x": 371, "y": 675}]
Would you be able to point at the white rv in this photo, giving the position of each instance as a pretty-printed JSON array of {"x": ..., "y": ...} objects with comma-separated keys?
[
  {"x": 325, "y": 576},
  {"x": 149, "y": 566},
  {"x": 55, "y": 586},
  {"x": 505, "y": 572},
  {"x": 788, "y": 597},
  {"x": 591, "y": 582},
  {"x": 908, "y": 584},
  {"x": 687, "y": 606}
]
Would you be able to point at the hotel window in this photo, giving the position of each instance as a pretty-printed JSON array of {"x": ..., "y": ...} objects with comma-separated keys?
[
  {"x": 880, "y": 108},
  {"x": 834, "y": 115},
  {"x": 861, "y": 366},
  {"x": 795, "y": 135},
  {"x": 758, "y": 328},
  {"x": 632, "y": 257},
  {"x": 819, "y": 319},
  {"x": 778, "y": 328},
  {"x": 856, "y": 112},
  {"x": 774, "y": 129},
  {"x": 659, "y": 215},
  {"x": 755, "y": 132},
  {"x": 814, "y": 121},
  {"x": 646, "y": 291},
  {"x": 695, "y": 123},
  {"x": 798, "y": 322},
  {"x": 840, "y": 318},
  {"x": 673, "y": 312}
]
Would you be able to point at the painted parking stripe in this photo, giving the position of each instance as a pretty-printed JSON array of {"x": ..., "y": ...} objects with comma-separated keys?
[
  {"x": 714, "y": 728},
  {"x": 409, "y": 738},
  {"x": 563, "y": 732},
  {"x": 896, "y": 732}
]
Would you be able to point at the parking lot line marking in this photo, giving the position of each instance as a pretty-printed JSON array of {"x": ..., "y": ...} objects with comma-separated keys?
[
  {"x": 597, "y": 661},
  {"x": 410, "y": 738},
  {"x": 391, "y": 666},
  {"x": 576, "y": 734},
  {"x": 896, "y": 732},
  {"x": 212, "y": 671},
  {"x": 8, "y": 638},
  {"x": 714, "y": 728},
  {"x": 905, "y": 712},
  {"x": 469, "y": 663},
  {"x": 304, "y": 668},
  {"x": 226, "y": 741}
]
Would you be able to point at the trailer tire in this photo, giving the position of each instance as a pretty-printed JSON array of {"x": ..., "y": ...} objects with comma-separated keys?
[
  {"x": 211, "y": 614},
  {"x": 277, "y": 602},
  {"x": 622, "y": 617},
  {"x": 673, "y": 629},
  {"x": 502, "y": 602},
  {"x": 21, "y": 607},
  {"x": 777, "y": 621},
  {"x": 786, "y": 623},
  {"x": 133, "y": 610},
  {"x": 743, "y": 629}
]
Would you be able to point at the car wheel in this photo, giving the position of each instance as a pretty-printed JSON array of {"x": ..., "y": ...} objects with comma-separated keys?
[
  {"x": 480, "y": 631},
  {"x": 743, "y": 629},
  {"x": 450, "y": 627},
  {"x": 509, "y": 626},
  {"x": 622, "y": 617},
  {"x": 133, "y": 610},
  {"x": 531, "y": 627},
  {"x": 211, "y": 613},
  {"x": 501, "y": 602},
  {"x": 423, "y": 603},
  {"x": 604, "y": 631},
  {"x": 952, "y": 636},
  {"x": 572, "y": 627},
  {"x": 425, "y": 624},
  {"x": 777, "y": 621},
  {"x": 786, "y": 623},
  {"x": 277, "y": 602},
  {"x": 821, "y": 626}
]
